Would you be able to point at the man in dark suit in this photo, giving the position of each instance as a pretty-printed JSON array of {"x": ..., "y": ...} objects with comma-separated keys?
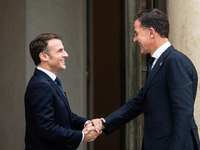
[
  {"x": 168, "y": 96},
  {"x": 50, "y": 123}
]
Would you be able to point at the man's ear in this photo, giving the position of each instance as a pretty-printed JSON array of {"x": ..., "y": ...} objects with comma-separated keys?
[
  {"x": 43, "y": 56},
  {"x": 151, "y": 32}
]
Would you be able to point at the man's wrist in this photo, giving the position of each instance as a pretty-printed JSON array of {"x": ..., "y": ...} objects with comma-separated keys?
[{"x": 86, "y": 122}]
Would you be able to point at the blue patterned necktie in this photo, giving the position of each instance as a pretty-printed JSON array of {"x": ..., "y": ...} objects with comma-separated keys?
[
  {"x": 59, "y": 85},
  {"x": 149, "y": 65}
]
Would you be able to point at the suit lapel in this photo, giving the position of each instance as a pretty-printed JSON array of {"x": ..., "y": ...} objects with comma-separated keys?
[
  {"x": 44, "y": 75},
  {"x": 60, "y": 94},
  {"x": 160, "y": 62},
  {"x": 62, "y": 97}
]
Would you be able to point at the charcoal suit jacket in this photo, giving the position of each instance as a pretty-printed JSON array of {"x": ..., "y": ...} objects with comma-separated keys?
[
  {"x": 167, "y": 101},
  {"x": 50, "y": 123}
]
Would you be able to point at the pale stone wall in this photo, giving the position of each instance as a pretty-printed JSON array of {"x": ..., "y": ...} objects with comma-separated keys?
[
  {"x": 185, "y": 35},
  {"x": 20, "y": 22}
]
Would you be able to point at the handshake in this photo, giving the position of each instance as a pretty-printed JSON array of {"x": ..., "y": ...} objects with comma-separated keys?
[{"x": 93, "y": 129}]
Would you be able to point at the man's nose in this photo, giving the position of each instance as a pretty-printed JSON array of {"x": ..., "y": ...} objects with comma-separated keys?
[
  {"x": 135, "y": 39},
  {"x": 65, "y": 54}
]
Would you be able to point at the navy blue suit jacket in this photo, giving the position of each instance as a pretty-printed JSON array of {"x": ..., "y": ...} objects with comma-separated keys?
[
  {"x": 50, "y": 123},
  {"x": 167, "y": 101}
]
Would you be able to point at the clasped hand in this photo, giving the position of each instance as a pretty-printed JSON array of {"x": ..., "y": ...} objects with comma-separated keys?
[{"x": 93, "y": 129}]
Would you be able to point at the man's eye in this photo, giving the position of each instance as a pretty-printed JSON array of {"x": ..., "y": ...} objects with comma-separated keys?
[{"x": 135, "y": 34}]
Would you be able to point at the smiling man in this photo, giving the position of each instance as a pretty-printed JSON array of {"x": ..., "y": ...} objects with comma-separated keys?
[
  {"x": 50, "y": 123},
  {"x": 168, "y": 96}
]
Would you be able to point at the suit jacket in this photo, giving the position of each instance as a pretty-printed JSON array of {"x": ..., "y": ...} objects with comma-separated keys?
[
  {"x": 50, "y": 123},
  {"x": 167, "y": 101}
]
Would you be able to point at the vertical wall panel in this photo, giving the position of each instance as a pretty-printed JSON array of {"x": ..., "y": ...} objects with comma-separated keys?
[
  {"x": 12, "y": 74},
  {"x": 185, "y": 36}
]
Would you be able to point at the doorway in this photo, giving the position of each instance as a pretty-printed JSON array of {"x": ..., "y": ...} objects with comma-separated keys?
[{"x": 105, "y": 63}]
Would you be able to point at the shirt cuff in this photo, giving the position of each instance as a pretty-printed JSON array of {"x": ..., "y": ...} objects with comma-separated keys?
[
  {"x": 86, "y": 122},
  {"x": 82, "y": 137}
]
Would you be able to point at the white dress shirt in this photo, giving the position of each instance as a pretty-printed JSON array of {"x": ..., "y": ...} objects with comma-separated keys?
[
  {"x": 50, "y": 74},
  {"x": 159, "y": 52}
]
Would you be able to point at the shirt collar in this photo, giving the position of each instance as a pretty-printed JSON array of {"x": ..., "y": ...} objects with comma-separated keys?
[
  {"x": 161, "y": 49},
  {"x": 50, "y": 74}
]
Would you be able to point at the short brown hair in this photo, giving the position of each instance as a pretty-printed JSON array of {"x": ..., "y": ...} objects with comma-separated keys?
[
  {"x": 39, "y": 44},
  {"x": 155, "y": 19}
]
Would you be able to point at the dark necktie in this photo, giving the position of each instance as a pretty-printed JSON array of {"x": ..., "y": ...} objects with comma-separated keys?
[
  {"x": 59, "y": 85},
  {"x": 149, "y": 65}
]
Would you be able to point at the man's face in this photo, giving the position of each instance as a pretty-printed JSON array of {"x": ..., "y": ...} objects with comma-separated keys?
[
  {"x": 142, "y": 37},
  {"x": 56, "y": 56}
]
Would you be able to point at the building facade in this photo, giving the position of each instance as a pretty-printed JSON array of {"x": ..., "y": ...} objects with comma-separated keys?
[{"x": 104, "y": 68}]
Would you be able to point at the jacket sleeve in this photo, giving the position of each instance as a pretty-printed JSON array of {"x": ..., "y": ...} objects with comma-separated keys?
[
  {"x": 78, "y": 122},
  {"x": 124, "y": 114},
  {"x": 182, "y": 83}
]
